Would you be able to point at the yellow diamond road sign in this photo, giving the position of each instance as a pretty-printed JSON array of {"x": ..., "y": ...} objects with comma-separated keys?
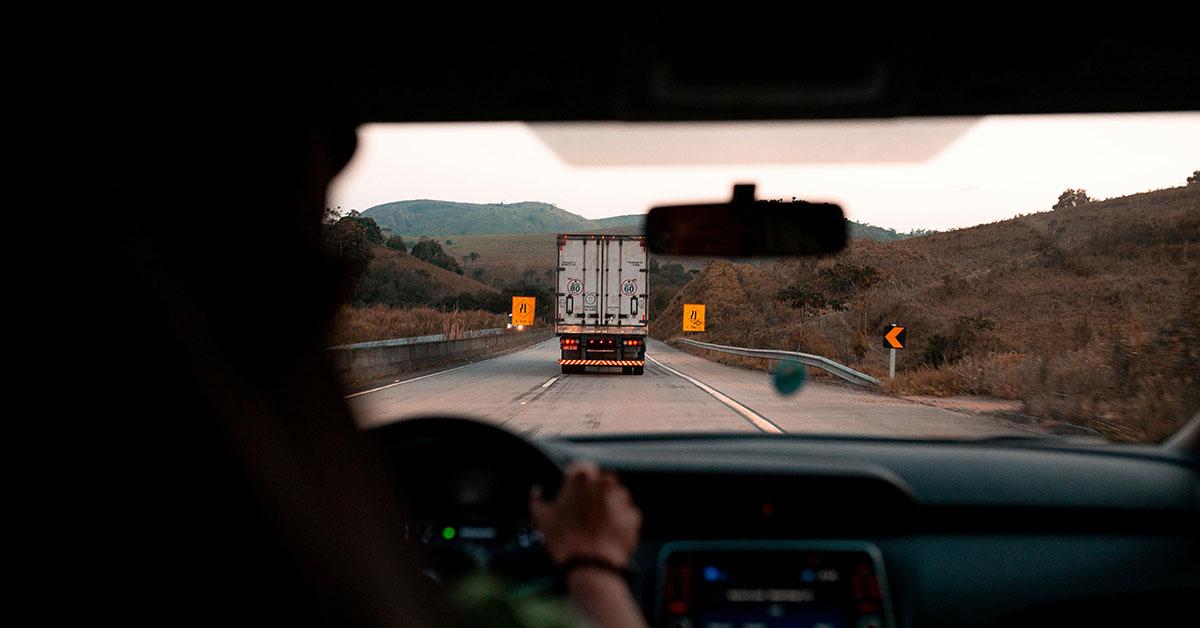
[
  {"x": 522, "y": 310},
  {"x": 693, "y": 317}
]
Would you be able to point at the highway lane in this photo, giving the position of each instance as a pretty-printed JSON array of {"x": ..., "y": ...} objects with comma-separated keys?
[{"x": 525, "y": 392}]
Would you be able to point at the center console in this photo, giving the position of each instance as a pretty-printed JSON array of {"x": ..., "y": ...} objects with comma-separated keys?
[{"x": 771, "y": 584}]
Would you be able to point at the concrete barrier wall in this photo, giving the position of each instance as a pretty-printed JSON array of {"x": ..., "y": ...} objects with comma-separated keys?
[{"x": 377, "y": 360}]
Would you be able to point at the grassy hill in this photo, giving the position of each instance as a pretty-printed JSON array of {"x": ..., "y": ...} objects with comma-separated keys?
[
  {"x": 505, "y": 258},
  {"x": 439, "y": 218},
  {"x": 440, "y": 281},
  {"x": 1088, "y": 314},
  {"x": 628, "y": 220},
  {"x": 443, "y": 219},
  {"x": 390, "y": 300},
  {"x": 879, "y": 234}
]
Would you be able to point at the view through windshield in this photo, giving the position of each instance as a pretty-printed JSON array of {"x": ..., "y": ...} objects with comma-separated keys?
[{"x": 1004, "y": 276}]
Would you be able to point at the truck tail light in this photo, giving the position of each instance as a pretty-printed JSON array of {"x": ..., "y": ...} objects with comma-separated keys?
[{"x": 632, "y": 343}]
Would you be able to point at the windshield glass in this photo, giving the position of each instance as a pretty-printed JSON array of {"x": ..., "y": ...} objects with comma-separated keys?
[{"x": 1004, "y": 276}]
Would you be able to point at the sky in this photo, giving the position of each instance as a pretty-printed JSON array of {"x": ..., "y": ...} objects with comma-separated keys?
[{"x": 904, "y": 174}]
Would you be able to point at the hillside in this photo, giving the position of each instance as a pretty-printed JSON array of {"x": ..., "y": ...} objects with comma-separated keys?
[
  {"x": 628, "y": 220},
  {"x": 440, "y": 281},
  {"x": 439, "y": 218},
  {"x": 1087, "y": 314},
  {"x": 448, "y": 219},
  {"x": 507, "y": 257},
  {"x": 879, "y": 234}
]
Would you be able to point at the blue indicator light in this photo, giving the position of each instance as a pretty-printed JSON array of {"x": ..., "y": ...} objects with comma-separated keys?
[
  {"x": 808, "y": 575},
  {"x": 712, "y": 574}
]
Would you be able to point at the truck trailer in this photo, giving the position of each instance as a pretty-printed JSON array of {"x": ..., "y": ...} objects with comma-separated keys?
[{"x": 602, "y": 289}]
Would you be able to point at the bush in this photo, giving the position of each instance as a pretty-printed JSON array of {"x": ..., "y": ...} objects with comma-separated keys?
[
  {"x": 350, "y": 238},
  {"x": 808, "y": 300},
  {"x": 428, "y": 250},
  {"x": 396, "y": 243},
  {"x": 1072, "y": 198},
  {"x": 385, "y": 284}
]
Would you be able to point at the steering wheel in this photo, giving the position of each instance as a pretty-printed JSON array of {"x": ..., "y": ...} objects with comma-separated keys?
[{"x": 465, "y": 488}]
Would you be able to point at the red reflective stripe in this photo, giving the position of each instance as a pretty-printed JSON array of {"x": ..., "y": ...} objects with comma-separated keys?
[{"x": 603, "y": 362}]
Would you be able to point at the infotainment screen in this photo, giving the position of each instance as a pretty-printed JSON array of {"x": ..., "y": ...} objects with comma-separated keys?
[{"x": 771, "y": 585}]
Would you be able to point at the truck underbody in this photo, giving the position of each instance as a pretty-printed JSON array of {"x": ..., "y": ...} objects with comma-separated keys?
[{"x": 623, "y": 350}]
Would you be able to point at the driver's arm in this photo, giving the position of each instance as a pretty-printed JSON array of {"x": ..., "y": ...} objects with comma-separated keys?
[{"x": 593, "y": 521}]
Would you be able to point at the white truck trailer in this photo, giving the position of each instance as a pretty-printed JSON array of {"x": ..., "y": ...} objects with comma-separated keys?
[{"x": 602, "y": 290}]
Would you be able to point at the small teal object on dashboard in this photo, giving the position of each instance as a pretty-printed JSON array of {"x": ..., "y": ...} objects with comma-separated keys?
[{"x": 790, "y": 376}]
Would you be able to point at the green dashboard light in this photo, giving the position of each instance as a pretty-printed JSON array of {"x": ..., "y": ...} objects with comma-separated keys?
[{"x": 448, "y": 532}]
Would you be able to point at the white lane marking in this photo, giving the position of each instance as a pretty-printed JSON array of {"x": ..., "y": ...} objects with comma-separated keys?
[
  {"x": 550, "y": 381},
  {"x": 754, "y": 418},
  {"x": 398, "y": 382}
]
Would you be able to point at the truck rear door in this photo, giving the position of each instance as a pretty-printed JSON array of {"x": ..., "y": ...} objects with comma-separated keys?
[
  {"x": 624, "y": 282},
  {"x": 579, "y": 281}
]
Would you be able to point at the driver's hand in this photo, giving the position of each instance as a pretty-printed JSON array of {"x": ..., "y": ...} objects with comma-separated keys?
[{"x": 593, "y": 516}]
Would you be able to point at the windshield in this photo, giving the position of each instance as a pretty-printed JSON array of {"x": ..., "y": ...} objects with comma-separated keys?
[{"x": 1004, "y": 276}]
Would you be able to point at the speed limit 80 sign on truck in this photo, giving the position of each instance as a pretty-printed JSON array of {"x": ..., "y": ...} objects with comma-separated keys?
[{"x": 603, "y": 281}]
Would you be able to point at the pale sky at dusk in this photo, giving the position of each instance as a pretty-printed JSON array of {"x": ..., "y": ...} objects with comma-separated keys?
[{"x": 904, "y": 174}]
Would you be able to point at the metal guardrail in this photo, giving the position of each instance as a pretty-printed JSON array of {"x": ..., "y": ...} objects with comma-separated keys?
[
  {"x": 814, "y": 361},
  {"x": 395, "y": 342},
  {"x": 385, "y": 358}
]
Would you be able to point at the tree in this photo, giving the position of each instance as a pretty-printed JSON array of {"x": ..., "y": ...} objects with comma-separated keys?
[
  {"x": 396, "y": 242},
  {"x": 350, "y": 238},
  {"x": 353, "y": 219},
  {"x": 472, "y": 256},
  {"x": 394, "y": 287},
  {"x": 429, "y": 250},
  {"x": 670, "y": 274},
  {"x": 807, "y": 300},
  {"x": 1195, "y": 178},
  {"x": 852, "y": 279},
  {"x": 1072, "y": 198},
  {"x": 853, "y": 282}
]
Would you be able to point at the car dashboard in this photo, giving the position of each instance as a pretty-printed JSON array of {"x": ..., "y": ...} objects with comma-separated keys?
[{"x": 903, "y": 532}]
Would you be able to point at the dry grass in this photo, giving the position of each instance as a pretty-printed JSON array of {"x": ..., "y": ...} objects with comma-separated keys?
[
  {"x": 384, "y": 323},
  {"x": 506, "y": 257},
  {"x": 1088, "y": 315}
]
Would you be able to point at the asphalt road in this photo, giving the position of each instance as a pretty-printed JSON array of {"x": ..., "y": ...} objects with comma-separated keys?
[{"x": 525, "y": 392}]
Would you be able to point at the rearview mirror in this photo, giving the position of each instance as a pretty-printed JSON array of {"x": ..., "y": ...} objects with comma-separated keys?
[{"x": 745, "y": 227}]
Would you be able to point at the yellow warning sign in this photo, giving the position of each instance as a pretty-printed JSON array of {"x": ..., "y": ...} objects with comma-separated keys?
[
  {"x": 522, "y": 313},
  {"x": 693, "y": 317}
]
